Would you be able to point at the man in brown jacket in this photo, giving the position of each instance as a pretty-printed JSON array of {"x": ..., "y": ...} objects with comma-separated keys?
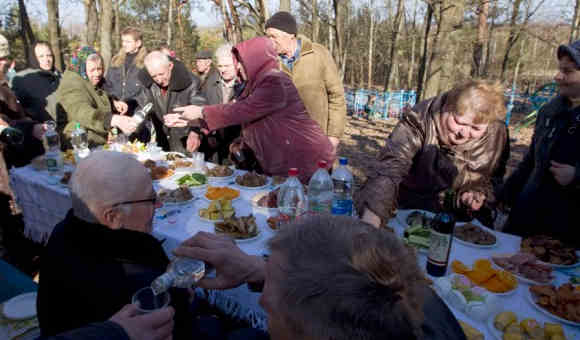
[{"x": 313, "y": 72}]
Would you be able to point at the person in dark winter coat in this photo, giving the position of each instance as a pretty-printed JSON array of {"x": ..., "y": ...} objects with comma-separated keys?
[
  {"x": 275, "y": 125},
  {"x": 544, "y": 191},
  {"x": 35, "y": 87},
  {"x": 103, "y": 251},
  {"x": 168, "y": 84},
  {"x": 122, "y": 78}
]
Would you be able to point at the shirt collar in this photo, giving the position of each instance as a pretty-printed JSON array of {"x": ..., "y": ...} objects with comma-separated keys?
[{"x": 289, "y": 61}]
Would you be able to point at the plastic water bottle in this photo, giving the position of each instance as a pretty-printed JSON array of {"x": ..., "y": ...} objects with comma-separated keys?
[
  {"x": 140, "y": 115},
  {"x": 118, "y": 140},
  {"x": 80, "y": 142},
  {"x": 291, "y": 199},
  {"x": 52, "y": 154},
  {"x": 320, "y": 191},
  {"x": 342, "y": 181},
  {"x": 182, "y": 272}
]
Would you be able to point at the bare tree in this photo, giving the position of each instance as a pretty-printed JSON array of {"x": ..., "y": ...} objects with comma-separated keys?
[
  {"x": 91, "y": 22},
  {"x": 371, "y": 38},
  {"x": 482, "y": 35},
  {"x": 117, "y": 25},
  {"x": 26, "y": 32},
  {"x": 284, "y": 5},
  {"x": 106, "y": 31},
  {"x": 489, "y": 56},
  {"x": 575, "y": 27},
  {"x": 316, "y": 21},
  {"x": 339, "y": 20},
  {"x": 54, "y": 32},
  {"x": 397, "y": 27},
  {"x": 169, "y": 22},
  {"x": 425, "y": 53}
]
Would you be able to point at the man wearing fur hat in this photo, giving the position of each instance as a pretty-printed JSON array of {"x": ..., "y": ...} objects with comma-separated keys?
[
  {"x": 121, "y": 80},
  {"x": 314, "y": 73}
]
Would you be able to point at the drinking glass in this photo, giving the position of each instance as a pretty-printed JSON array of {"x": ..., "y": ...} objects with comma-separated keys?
[{"x": 148, "y": 302}]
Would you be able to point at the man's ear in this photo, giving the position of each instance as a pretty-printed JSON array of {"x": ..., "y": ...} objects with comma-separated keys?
[{"x": 112, "y": 218}]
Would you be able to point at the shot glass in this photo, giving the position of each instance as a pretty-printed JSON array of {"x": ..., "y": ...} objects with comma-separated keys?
[{"x": 148, "y": 302}]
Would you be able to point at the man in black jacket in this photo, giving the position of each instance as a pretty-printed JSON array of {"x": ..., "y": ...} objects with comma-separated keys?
[
  {"x": 103, "y": 252},
  {"x": 122, "y": 80},
  {"x": 169, "y": 84}
]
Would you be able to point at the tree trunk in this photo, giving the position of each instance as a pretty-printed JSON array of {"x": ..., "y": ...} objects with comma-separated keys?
[
  {"x": 316, "y": 21},
  {"x": 54, "y": 32},
  {"x": 238, "y": 34},
  {"x": 412, "y": 61},
  {"x": 284, "y": 5},
  {"x": 424, "y": 56},
  {"x": 481, "y": 42},
  {"x": 91, "y": 23},
  {"x": 339, "y": 19},
  {"x": 106, "y": 31},
  {"x": 169, "y": 23},
  {"x": 180, "y": 25},
  {"x": 330, "y": 35},
  {"x": 513, "y": 37},
  {"x": 489, "y": 56},
  {"x": 371, "y": 38},
  {"x": 397, "y": 27},
  {"x": 575, "y": 28},
  {"x": 117, "y": 35},
  {"x": 26, "y": 32}
]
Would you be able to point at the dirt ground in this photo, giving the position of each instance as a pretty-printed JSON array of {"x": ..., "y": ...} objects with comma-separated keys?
[{"x": 364, "y": 138}]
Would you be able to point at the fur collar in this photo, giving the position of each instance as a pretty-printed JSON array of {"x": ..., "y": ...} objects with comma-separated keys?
[{"x": 119, "y": 59}]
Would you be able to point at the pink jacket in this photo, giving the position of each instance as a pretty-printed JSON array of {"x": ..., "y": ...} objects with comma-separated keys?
[{"x": 275, "y": 124}]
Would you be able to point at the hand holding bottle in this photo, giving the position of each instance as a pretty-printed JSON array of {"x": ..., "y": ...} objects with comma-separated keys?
[{"x": 125, "y": 123}]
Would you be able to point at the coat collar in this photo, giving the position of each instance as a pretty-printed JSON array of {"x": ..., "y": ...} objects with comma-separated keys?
[
  {"x": 119, "y": 59},
  {"x": 180, "y": 77}
]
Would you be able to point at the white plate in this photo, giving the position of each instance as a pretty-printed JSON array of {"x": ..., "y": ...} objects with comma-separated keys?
[
  {"x": 173, "y": 204},
  {"x": 473, "y": 245},
  {"x": 518, "y": 276},
  {"x": 401, "y": 216},
  {"x": 508, "y": 293},
  {"x": 260, "y": 209},
  {"x": 560, "y": 266},
  {"x": 173, "y": 153},
  {"x": 242, "y": 240},
  {"x": 207, "y": 220},
  {"x": 268, "y": 182},
  {"x": 531, "y": 299},
  {"x": 521, "y": 316},
  {"x": 234, "y": 200},
  {"x": 221, "y": 179},
  {"x": 20, "y": 307}
]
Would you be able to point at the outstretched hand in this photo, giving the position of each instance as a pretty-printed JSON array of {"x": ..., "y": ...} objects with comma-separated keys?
[{"x": 157, "y": 325}]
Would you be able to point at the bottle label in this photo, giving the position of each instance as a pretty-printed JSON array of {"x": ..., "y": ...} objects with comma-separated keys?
[
  {"x": 342, "y": 207},
  {"x": 51, "y": 164},
  {"x": 439, "y": 248},
  {"x": 341, "y": 187}
]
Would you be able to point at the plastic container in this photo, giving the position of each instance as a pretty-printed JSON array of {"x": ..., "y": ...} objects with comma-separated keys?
[
  {"x": 52, "y": 154},
  {"x": 320, "y": 191},
  {"x": 80, "y": 142},
  {"x": 342, "y": 198},
  {"x": 292, "y": 202}
]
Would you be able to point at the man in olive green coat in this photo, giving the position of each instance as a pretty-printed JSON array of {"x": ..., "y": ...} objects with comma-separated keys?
[{"x": 313, "y": 72}]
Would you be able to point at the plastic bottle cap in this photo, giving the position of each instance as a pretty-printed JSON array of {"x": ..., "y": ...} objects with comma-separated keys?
[
  {"x": 343, "y": 161},
  {"x": 322, "y": 164},
  {"x": 293, "y": 172},
  {"x": 78, "y": 126}
]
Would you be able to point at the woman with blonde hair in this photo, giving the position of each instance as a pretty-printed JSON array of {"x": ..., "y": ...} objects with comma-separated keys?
[{"x": 457, "y": 141}]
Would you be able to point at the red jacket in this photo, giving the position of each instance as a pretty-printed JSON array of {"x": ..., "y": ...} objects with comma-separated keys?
[{"x": 275, "y": 124}]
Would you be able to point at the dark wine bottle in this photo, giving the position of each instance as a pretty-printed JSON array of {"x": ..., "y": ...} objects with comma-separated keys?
[
  {"x": 11, "y": 136},
  {"x": 441, "y": 237}
]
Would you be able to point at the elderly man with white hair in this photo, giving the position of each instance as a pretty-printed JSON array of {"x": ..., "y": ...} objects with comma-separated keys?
[
  {"x": 168, "y": 84},
  {"x": 103, "y": 252}
]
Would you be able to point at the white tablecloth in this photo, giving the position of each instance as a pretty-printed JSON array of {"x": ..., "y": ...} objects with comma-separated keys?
[{"x": 45, "y": 205}]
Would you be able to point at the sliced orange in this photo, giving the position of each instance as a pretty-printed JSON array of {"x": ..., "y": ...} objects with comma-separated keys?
[{"x": 459, "y": 267}]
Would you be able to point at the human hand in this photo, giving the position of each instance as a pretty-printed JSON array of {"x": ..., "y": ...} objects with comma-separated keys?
[
  {"x": 174, "y": 120},
  {"x": 193, "y": 142},
  {"x": 127, "y": 124},
  {"x": 371, "y": 218},
  {"x": 121, "y": 106},
  {"x": 334, "y": 141},
  {"x": 157, "y": 325},
  {"x": 38, "y": 131},
  {"x": 189, "y": 112},
  {"x": 473, "y": 199},
  {"x": 563, "y": 173},
  {"x": 233, "y": 266}
]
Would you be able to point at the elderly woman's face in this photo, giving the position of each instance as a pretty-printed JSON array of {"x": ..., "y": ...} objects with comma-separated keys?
[
  {"x": 94, "y": 71},
  {"x": 462, "y": 129},
  {"x": 568, "y": 78}
]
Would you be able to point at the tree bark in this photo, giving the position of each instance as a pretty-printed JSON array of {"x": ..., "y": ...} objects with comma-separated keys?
[
  {"x": 285, "y": 6},
  {"x": 169, "y": 22},
  {"x": 316, "y": 21},
  {"x": 481, "y": 42},
  {"x": 371, "y": 38},
  {"x": 397, "y": 27},
  {"x": 91, "y": 22},
  {"x": 106, "y": 31},
  {"x": 575, "y": 28},
  {"x": 26, "y": 32},
  {"x": 54, "y": 32},
  {"x": 339, "y": 19},
  {"x": 237, "y": 32},
  {"x": 117, "y": 24},
  {"x": 424, "y": 56},
  {"x": 513, "y": 37},
  {"x": 489, "y": 56}
]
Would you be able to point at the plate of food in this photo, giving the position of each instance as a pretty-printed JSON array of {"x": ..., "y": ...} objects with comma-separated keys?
[
  {"x": 220, "y": 173},
  {"x": 160, "y": 172},
  {"x": 252, "y": 181},
  {"x": 458, "y": 291},
  {"x": 21, "y": 307},
  {"x": 217, "y": 211},
  {"x": 274, "y": 223},
  {"x": 174, "y": 156},
  {"x": 181, "y": 164},
  {"x": 215, "y": 193},
  {"x": 482, "y": 274},
  {"x": 179, "y": 196},
  {"x": 193, "y": 180},
  {"x": 507, "y": 325},
  {"x": 266, "y": 201},
  {"x": 525, "y": 267},
  {"x": 417, "y": 231},
  {"x": 475, "y": 236},
  {"x": 550, "y": 251},
  {"x": 561, "y": 303},
  {"x": 241, "y": 229}
]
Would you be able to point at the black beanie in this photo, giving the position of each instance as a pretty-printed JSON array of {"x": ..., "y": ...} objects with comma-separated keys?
[{"x": 283, "y": 21}]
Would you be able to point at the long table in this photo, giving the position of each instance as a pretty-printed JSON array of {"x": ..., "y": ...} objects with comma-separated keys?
[{"x": 44, "y": 205}]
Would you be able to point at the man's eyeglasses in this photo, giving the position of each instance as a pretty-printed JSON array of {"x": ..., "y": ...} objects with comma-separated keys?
[{"x": 152, "y": 200}]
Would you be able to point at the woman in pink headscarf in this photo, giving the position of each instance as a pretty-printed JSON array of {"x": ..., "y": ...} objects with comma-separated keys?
[{"x": 275, "y": 124}]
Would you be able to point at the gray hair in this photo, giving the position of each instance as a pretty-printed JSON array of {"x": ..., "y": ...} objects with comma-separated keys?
[
  {"x": 224, "y": 51},
  {"x": 345, "y": 279},
  {"x": 157, "y": 57},
  {"x": 103, "y": 179},
  {"x": 94, "y": 57}
]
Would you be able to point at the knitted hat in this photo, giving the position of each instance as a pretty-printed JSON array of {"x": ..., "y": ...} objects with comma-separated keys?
[
  {"x": 572, "y": 50},
  {"x": 204, "y": 54},
  {"x": 283, "y": 21},
  {"x": 78, "y": 61},
  {"x": 4, "y": 47}
]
